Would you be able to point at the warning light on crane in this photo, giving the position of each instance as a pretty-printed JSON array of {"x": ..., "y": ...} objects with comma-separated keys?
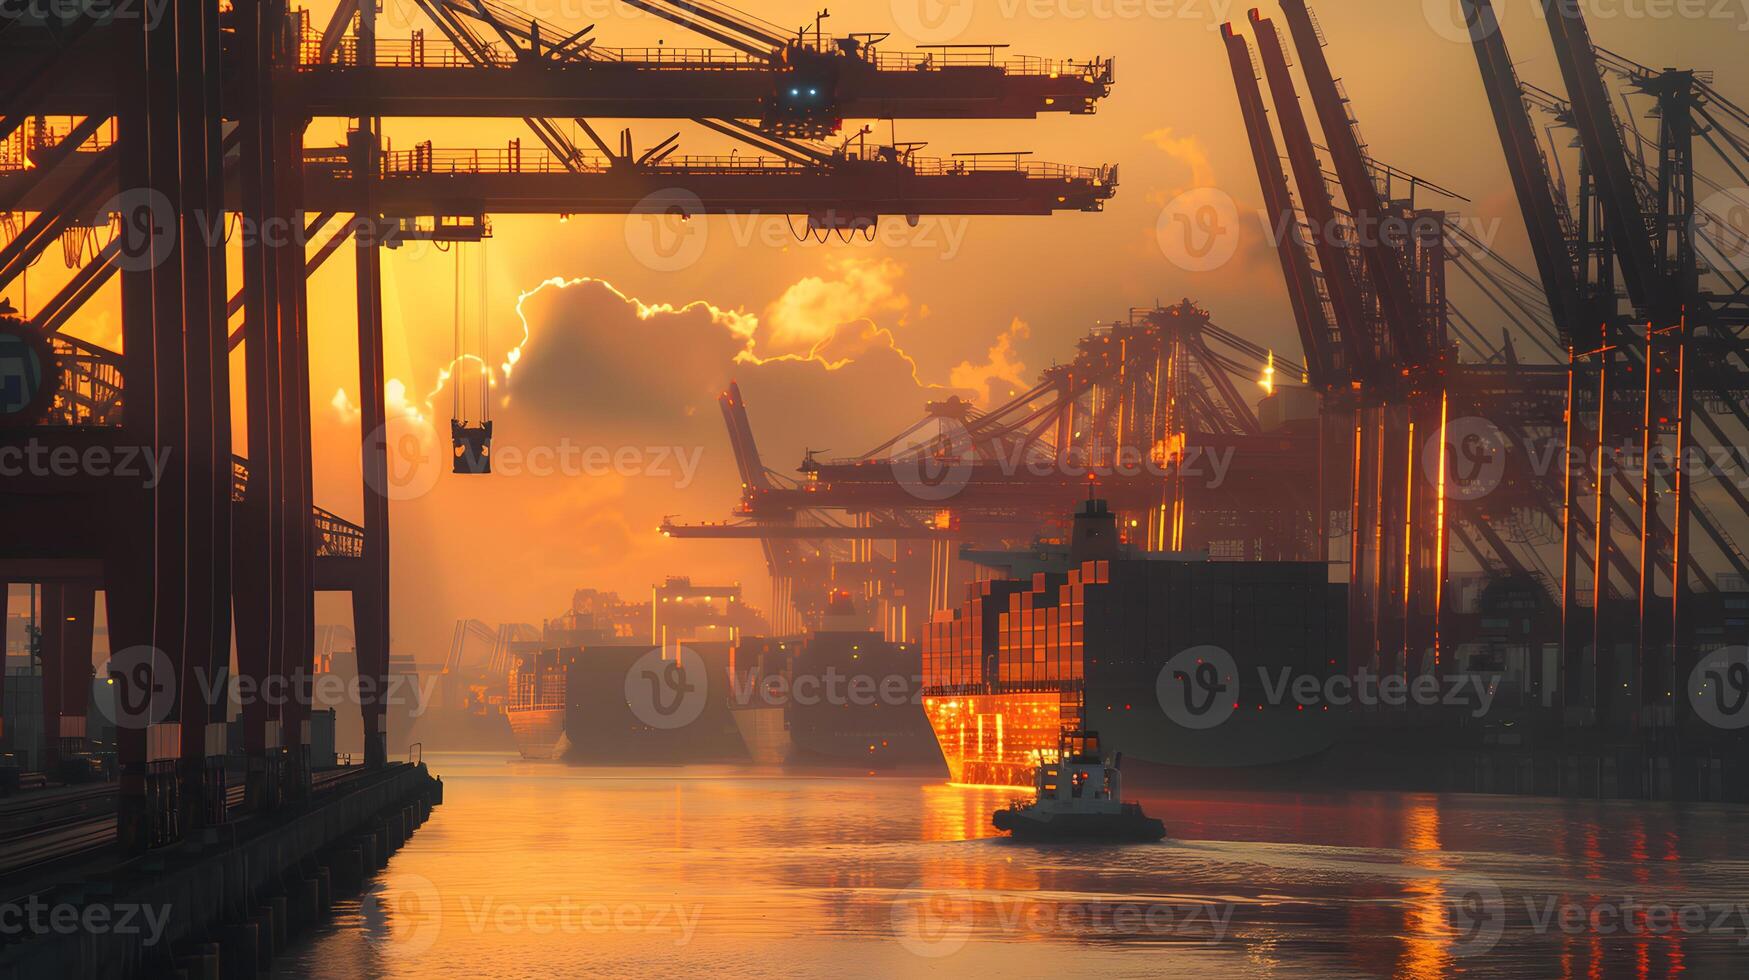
[{"x": 803, "y": 105}]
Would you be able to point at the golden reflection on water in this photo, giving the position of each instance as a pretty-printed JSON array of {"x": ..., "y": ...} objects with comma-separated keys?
[
  {"x": 952, "y": 812},
  {"x": 1429, "y": 897},
  {"x": 546, "y": 871}
]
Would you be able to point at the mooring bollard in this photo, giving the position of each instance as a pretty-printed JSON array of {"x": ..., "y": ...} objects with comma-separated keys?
[
  {"x": 199, "y": 961},
  {"x": 281, "y": 925},
  {"x": 302, "y": 890},
  {"x": 262, "y": 920},
  {"x": 239, "y": 951},
  {"x": 349, "y": 869},
  {"x": 368, "y": 850},
  {"x": 324, "y": 890}
]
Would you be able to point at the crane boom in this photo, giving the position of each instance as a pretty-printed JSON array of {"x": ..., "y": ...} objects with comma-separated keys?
[
  {"x": 753, "y": 475},
  {"x": 1296, "y": 266},
  {"x": 1529, "y": 170},
  {"x": 1384, "y": 262},
  {"x": 1349, "y": 306},
  {"x": 1605, "y": 150}
]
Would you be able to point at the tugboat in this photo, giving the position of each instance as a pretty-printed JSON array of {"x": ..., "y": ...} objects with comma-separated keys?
[{"x": 1079, "y": 798}]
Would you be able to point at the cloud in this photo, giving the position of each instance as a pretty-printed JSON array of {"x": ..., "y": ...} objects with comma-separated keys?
[
  {"x": 1001, "y": 374},
  {"x": 1189, "y": 150},
  {"x": 811, "y": 309},
  {"x": 601, "y": 370},
  {"x": 597, "y": 358}
]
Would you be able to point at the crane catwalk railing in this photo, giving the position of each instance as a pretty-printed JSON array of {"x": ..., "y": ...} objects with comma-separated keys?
[
  {"x": 424, "y": 160},
  {"x": 419, "y": 51},
  {"x": 90, "y": 388},
  {"x": 19, "y": 150},
  {"x": 336, "y": 537}
]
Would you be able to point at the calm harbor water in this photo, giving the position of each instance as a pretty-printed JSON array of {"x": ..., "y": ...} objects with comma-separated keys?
[{"x": 539, "y": 870}]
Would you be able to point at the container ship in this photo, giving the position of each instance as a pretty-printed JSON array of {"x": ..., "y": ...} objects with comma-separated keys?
[
  {"x": 540, "y": 660},
  {"x": 535, "y": 702},
  {"x": 843, "y": 696},
  {"x": 1076, "y": 639},
  {"x": 583, "y": 693},
  {"x": 614, "y": 716}
]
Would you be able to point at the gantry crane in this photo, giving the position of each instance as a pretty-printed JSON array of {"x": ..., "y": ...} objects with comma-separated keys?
[
  {"x": 1643, "y": 373},
  {"x": 1149, "y": 410},
  {"x": 1381, "y": 314},
  {"x": 198, "y": 114}
]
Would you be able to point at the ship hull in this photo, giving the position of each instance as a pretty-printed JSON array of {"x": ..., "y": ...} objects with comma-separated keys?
[
  {"x": 603, "y": 728},
  {"x": 765, "y": 732},
  {"x": 997, "y": 739},
  {"x": 538, "y": 731},
  {"x": 1129, "y": 825}
]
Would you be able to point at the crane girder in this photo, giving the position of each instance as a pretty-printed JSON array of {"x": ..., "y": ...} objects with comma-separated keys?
[
  {"x": 1525, "y": 162},
  {"x": 1322, "y": 357},
  {"x": 509, "y": 181},
  {"x": 1389, "y": 272},
  {"x": 1605, "y": 150},
  {"x": 1348, "y": 304}
]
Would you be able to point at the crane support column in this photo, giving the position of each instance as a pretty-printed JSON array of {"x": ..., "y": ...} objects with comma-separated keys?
[
  {"x": 299, "y": 651},
  {"x": 66, "y": 624},
  {"x": 258, "y": 541},
  {"x": 370, "y": 596},
  {"x": 164, "y": 589}
]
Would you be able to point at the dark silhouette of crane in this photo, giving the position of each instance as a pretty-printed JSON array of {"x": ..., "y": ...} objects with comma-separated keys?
[{"x": 178, "y": 124}]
